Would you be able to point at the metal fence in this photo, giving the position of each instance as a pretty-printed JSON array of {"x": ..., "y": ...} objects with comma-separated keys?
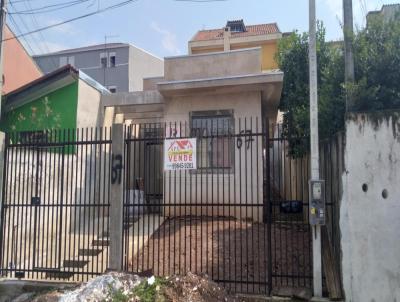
[
  {"x": 241, "y": 217},
  {"x": 238, "y": 218},
  {"x": 55, "y": 203}
]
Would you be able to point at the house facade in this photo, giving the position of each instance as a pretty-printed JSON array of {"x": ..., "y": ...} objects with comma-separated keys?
[
  {"x": 204, "y": 95},
  {"x": 119, "y": 67},
  {"x": 236, "y": 35},
  {"x": 18, "y": 66},
  {"x": 63, "y": 99}
]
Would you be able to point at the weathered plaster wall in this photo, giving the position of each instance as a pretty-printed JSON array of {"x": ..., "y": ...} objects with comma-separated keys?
[
  {"x": 89, "y": 110},
  {"x": 224, "y": 64},
  {"x": 369, "y": 222},
  {"x": 151, "y": 83},
  {"x": 142, "y": 65},
  {"x": 244, "y": 104}
]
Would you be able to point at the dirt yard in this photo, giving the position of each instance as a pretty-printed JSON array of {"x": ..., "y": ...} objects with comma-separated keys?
[{"x": 230, "y": 251}]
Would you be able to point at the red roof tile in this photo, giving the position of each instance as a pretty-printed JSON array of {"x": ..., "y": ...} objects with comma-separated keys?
[{"x": 251, "y": 30}]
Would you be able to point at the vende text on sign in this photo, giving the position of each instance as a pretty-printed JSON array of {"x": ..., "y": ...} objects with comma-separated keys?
[{"x": 180, "y": 154}]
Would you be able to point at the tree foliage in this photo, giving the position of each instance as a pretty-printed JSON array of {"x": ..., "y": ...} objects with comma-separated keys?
[
  {"x": 293, "y": 60},
  {"x": 376, "y": 86},
  {"x": 377, "y": 66}
]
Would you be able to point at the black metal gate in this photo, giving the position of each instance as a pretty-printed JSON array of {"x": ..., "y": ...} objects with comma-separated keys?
[
  {"x": 55, "y": 200},
  {"x": 241, "y": 217}
]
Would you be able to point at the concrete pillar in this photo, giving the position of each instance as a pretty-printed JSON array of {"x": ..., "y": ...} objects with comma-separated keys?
[
  {"x": 117, "y": 193},
  {"x": 119, "y": 118},
  {"x": 108, "y": 116}
]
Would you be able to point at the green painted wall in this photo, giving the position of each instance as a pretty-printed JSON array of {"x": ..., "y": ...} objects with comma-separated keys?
[{"x": 56, "y": 110}]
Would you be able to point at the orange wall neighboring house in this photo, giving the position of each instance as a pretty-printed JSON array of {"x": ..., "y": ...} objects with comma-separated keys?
[
  {"x": 268, "y": 50},
  {"x": 18, "y": 66},
  {"x": 268, "y": 56}
]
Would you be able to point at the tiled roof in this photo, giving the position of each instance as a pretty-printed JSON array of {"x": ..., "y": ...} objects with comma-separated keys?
[{"x": 251, "y": 30}]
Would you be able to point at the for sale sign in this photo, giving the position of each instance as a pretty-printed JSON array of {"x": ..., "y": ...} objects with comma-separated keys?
[{"x": 180, "y": 154}]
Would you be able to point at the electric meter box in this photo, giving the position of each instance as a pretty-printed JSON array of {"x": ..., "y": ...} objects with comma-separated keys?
[{"x": 317, "y": 202}]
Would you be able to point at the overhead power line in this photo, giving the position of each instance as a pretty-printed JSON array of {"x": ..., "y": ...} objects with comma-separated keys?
[
  {"x": 98, "y": 11},
  {"x": 102, "y": 10},
  {"x": 40, "y": 35},
  {"x": 19, "y": 1},
  {"x": 27, "y": 44},
  {"x": 48, "y": 8},
  {"x": 19, "y": 31}
]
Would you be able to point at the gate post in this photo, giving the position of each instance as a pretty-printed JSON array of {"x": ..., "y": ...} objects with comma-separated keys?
[{"x": 117, "y": 197}]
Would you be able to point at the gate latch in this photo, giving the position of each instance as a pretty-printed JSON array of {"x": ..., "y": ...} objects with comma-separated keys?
[{"x": 35, "y": 201}]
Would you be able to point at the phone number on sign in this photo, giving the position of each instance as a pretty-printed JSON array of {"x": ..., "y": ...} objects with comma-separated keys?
[{"x": 178, "y": 166}]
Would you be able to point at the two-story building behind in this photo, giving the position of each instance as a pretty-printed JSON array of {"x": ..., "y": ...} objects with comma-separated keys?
[{"x": 120, "y": 67}]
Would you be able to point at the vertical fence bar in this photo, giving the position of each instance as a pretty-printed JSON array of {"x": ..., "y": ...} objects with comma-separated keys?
[{"x": 268, "y": 202}]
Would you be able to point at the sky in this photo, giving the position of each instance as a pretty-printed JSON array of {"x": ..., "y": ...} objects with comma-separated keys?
[{"x": 163, "y": 27}]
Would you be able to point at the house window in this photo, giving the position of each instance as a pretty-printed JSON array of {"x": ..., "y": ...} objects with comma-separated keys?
[
  {"x": 63, "y": 61},
  {"x": 67, "y": 60},
  {"x": 71, "y": 60},
  {"x": 112, "y": 59},
  {"x": 113, "y": 89},
  {"x": 215, "y": 145},
  {"x": 103, "y": 60}
]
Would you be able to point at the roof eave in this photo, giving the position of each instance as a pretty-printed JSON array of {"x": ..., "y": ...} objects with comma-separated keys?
[
  {"x": 172, "y": 87},
  {"x": 38, "y": 88}
]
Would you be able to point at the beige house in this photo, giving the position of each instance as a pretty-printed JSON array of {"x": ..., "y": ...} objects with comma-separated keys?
[
  {"x": 213, "y": 91},
  {"x": 237, "y": 35}
]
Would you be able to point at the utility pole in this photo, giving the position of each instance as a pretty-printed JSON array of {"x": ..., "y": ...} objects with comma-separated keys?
[
  {"x": 316, "y": 211},
  {"x": 3, "y": 11},
  {"x": 348, "y": 47}
]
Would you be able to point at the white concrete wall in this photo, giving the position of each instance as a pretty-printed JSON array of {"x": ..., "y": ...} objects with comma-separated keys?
[
  {"x": 89, "y": 111},
  {"x": 244, "y": 104},
  {"x": 224, "y": 64},
  {"x": 370, "y": 224},
  {"x": 143, "y": 65},
  {"x": 68, "y": 179},
  {"x": 151, "y": 83}
]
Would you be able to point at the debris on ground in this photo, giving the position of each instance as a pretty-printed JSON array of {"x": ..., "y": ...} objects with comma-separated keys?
[
  {"x": 122, "y": 287},
  {"x": 195, "y": 288},
  {"x": 103, "y": 288}
]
